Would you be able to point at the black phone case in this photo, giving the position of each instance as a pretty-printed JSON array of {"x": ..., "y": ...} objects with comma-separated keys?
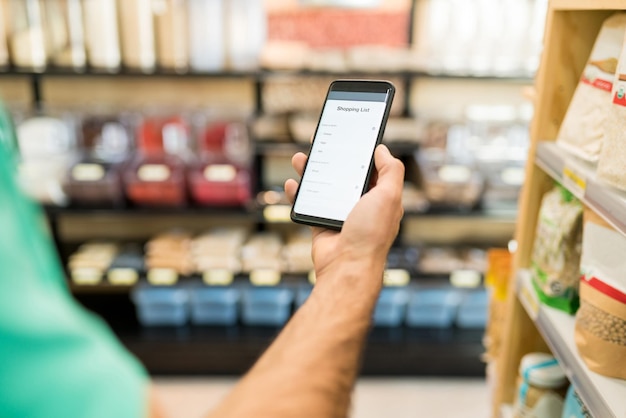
[{"x": 357, "y": 86}]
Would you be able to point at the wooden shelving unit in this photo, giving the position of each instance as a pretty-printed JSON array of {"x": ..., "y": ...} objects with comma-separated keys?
[{"x": 571, "y": 30}]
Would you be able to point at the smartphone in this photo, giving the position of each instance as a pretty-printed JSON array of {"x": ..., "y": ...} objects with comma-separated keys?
[{"x": 341, "y": 157}]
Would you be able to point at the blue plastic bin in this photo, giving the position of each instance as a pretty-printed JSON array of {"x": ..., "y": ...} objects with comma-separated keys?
[
  {"x": 433, "y": 307},
  {"x": 473, "y": 310},
  {"x": 266, "y": 305},
  {"x": 161, "y": 305},
  {"x": 214, "y": 305},
  {"x": 302, "y": 294},
  {"x": 391, "y": 307}
]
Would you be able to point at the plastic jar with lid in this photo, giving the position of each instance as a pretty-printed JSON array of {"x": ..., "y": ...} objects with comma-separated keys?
[
  {"x": 172, "y": 34},
  {"x": 206, "y": 35},
  {"x": 137, "y": 34},
  {"x": 65, "y": 35},
  {"x": 101, "y": 34},
  {"x": 26, "y": 34},
  {"x": 542, "y": 386}
]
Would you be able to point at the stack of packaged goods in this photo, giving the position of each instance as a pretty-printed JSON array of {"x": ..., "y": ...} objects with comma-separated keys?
[
  {"x": 168, "y": 256},
  {"x": 88, "y": 265}
]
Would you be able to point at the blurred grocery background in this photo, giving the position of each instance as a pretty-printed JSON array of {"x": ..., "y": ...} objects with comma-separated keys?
[{"x": 157, "y": 135}]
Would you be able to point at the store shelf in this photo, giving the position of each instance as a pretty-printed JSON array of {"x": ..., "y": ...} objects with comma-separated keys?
[
  {"x": 236, "y": 212},
  {"x": 603, "y": 396},
  {"x": 289, "y": 148},
  {"x": 579, "y": 177}
]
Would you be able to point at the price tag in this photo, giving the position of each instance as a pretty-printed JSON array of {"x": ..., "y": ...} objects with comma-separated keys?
[
  {"x": 465, "y": 278},
  {"x": 312, "y": 277},
  {"x": 123, "y": 276},
  {"x": 265, "y": 277},
  {"x": 529, "y": 299},
  {"x": 220, "y": 172},
  {"x": 153, "y": 172},
  {"x": 86, "y": 276},
  {"x": 218, "y": 277},
  {"x": 396, "y": 277},
  {"x": 162, "y": 277},
  {"x": 88, "y": 172},
  {"x": 574, "y": 181},
  {"x": 277, "y": 213}
]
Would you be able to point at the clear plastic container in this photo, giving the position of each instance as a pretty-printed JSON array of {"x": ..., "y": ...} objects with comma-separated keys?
[
  {"x": 161, "y": 305},
  {"x": 269, "y": 306},
  {"x": 221, "y": 175},
  {"x": 433, "y": 308},
  {"x": 473, "y": 310},
  {"x": 172, "y": 34},
  {"x": 65, "y": 34},
  {"x": 390, "y": 309},
  {"x": 214, "y": 305},
  {"x": 156, "y": 175},
  {"x": 206, "y": 35},
  {"x": 47, "y": 150},
  {"x": 96, "y": 179},
  {"x": 246, "y": 26},
  {"x": 101, "y": 34},
  {"x": 27, "y": 39},
  {"x": 137, "y": 34}
]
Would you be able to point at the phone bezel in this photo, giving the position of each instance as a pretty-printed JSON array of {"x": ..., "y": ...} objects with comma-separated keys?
[{"x": 366, "y": 86}]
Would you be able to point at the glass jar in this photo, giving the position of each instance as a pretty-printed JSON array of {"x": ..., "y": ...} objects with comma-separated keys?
[
  {"x": 101, "y": 34},
  {"x": 206, "y": 35},
  {"x": 65, "y": 34},
  {"x": 156, "y": 175},
  {"x": 246, "y": 25},
  {"x": 26, "y": 36},
  {"x": 172, "y": 35},
  {"x": 542, "y": 386},
  {"x": 137, "y": 33},
  {"x": 96, "y": 179}
]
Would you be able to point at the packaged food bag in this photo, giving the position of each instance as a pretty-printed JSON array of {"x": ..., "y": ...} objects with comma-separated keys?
[
  {"x": 600, "y": 332},
  {"x": 582, "y": 129},
  {"x": 612, "y": 163},
  {"x": 556, "y": 250}
]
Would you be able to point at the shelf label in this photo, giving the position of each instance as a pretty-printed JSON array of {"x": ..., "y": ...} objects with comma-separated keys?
[
  {"x": 86, "y": 276},
  {"x": 153, "y": 172},
  {"x": 529, "y": 299},
  {"x": 162, "y": 277},
  {"x": 468, "y": 279},
  {"x": 265, "y": 277},
  {"x": 574, "y": 181},
  {"x": 218, "y": 277},
  {"x": 88, "y": 172},
  {"x": 277, "y": 213},
  {"x": 220, "y": 172},
  {"x": 396, "y": 277},
  {"x": 123, "y": 276}
]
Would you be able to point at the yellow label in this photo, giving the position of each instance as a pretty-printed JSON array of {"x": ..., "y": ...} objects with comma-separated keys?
[
  {"x": 575, "y": 182},
  {"x": 265, "y": 277},
  {"x": 162, "y": 277},
  {"x": 312, "y": 277},
  {"x": 218, "y": 277},
  {"x": 123, "y": 276},
  {"x": 277, "y": 213},
  {"x": 396, "y": 277}
]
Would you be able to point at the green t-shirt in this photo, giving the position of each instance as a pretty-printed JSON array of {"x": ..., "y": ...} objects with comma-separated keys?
[{"x": 56, "y": 359}]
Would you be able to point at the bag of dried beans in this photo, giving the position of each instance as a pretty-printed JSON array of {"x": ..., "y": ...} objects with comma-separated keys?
[{"x": 601, "y": 320}]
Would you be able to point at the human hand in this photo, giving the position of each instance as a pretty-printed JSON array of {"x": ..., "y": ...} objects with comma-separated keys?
[{"x": 371, "y": 227}]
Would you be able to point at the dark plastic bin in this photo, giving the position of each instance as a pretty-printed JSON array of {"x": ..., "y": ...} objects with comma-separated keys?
[
  {"x": 161, "y": 305},
  {"x": 214, "y": 305}
]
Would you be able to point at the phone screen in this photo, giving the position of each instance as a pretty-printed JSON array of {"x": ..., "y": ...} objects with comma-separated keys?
[{"x": 341, "y": 154}]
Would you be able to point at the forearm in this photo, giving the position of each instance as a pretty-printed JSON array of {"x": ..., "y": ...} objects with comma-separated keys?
[{"x": 311, "y": 367}]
